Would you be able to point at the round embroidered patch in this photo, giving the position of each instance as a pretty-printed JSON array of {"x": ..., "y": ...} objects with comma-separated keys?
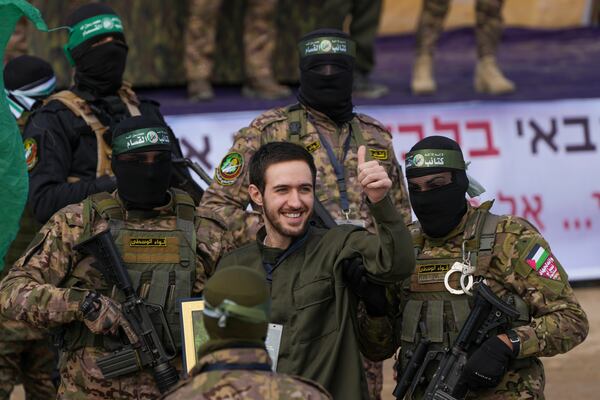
[
  {"x": 230, "y": 168},
  {"x": 31, "y": 153}
]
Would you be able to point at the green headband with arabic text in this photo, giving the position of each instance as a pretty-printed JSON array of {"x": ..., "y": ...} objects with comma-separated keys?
[
  {"x": 90, "y": 27},
  {"x": 140, "y": 138},
  {"x": 435, "y": 158},
  {"x": 327, "y": 45}
]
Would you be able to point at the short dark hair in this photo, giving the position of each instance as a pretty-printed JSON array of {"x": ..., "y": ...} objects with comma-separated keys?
[{"x": 274, "y": 153}]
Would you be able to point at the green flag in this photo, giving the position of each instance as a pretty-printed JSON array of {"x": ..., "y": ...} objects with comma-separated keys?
[{"x": 13, "y": 171}]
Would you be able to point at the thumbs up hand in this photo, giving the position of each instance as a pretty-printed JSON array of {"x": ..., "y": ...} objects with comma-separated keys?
[{"x": 373, "y": 177}]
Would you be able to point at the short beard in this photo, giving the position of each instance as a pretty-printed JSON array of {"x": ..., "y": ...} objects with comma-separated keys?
[{"x": 272, "y": 217}]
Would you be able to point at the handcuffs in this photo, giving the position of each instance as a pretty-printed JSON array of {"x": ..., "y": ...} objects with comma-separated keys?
[{"x": 466, "y": 279}]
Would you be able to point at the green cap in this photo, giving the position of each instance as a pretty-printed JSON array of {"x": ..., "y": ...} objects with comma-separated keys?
[
  {"x": 153, "y": 138},
  {"x": 327, "y": 45},
  {"x": 434, "y": 158},
  {"x": 237, "y": 304},
  {"x": 90, "y": 27}
]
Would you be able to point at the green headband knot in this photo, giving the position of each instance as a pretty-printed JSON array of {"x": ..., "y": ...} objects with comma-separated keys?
[
  {"x": 140, "y": 138},
  {"x": 229, "y": 308},
  {"x": 327, "y": 45},
  {"x": 435, "y": 158},
  {"x": 90, "y": 27}
]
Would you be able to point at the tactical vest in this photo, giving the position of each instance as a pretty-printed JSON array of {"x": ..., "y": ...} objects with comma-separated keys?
[
  {"x": 82, "y": 109},
  {"x": 429, "y": 301},
  {"x": 297, "y": 125},
  {"x": 161, "y": 264}
]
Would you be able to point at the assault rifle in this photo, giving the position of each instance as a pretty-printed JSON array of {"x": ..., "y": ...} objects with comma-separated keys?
[
  {"x": 149, "y": 351},
  {"x": 488, "y": 313},
  {"x": 185, "y": 182}
]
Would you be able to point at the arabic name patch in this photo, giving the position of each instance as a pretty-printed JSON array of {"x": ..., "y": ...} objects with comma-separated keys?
[
  {"x": 31, "y": 153},
  {"x": 542, "y": 262},
  {"x": 378, "y": 154},
  {"x": 230, "y": 168},
  {"x": 432, "y": 273},
  {"x": 314, "y": 146},
  {"x": 148, "y": 242}
]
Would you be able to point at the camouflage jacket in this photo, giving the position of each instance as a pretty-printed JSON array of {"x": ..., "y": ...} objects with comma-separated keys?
[
  {"x": 228, "y": 194},
  {"x": 521, "y": 265},
  {"x": 34, "y": 290},
  {"x": 245, "y": 383}
]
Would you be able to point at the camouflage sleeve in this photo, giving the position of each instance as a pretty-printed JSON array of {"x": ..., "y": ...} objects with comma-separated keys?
[
  {"x": 29, "y": 292},
  {"x": 212, "y": 241},
  {"x": 557, "y": 321},
  {"x": 227, "y": 197}
]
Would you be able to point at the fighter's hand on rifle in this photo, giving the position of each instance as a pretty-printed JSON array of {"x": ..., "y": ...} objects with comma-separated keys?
[
  {"x": 373, "y": 177},
  {"x": 102, "y": 315},
  {"x": 488, "y": 364}
]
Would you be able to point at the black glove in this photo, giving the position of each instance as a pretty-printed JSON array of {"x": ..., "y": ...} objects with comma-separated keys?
[
  {"x": 105, "y": 184},
  {"x": 487, "y": 365},
  {"x": 372, "y": 294}
]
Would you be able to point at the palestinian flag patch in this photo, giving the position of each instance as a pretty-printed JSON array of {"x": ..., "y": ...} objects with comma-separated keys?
[
  {"x": 31, "y": 153},
  {"x": 542, "y": 262}
]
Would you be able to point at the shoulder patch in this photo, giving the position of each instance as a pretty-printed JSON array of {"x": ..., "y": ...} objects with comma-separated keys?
[
  {"x": 31, "y": 153},
  {"x": 229, "y": 169},
  {"x": 542, "y": 261}
]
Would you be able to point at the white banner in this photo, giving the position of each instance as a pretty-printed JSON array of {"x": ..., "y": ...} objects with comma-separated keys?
[{"x": 539, "y": 160}]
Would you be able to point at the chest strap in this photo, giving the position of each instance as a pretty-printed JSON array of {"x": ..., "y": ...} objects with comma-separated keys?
[
  {"x": 82, "y": 109},
  {"x": 296, "y": 123}
]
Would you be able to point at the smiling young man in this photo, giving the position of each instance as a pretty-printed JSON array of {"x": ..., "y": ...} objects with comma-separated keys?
[{"x": 304, "y": 265}]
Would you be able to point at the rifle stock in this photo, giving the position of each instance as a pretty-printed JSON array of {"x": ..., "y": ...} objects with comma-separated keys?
[
  {"x": 149, "y": 352},
  {"x": 185, "y": 182}
]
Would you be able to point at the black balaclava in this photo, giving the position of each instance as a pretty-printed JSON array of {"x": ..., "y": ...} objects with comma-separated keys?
[
  {"x": 98, "y": 70},
  {"x": 142, "y": 186},
  {"x": 330, "y": 94},
  {"x": 441, "y": 209}
]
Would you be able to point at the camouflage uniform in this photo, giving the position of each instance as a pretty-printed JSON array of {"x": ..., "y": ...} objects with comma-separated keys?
[
  {"x": 228, "y": 198},
  {"x": 37, "y": 291},
  {"x": 26, "y": 354},
  {"x": 551, "y": 320},
  {"x": 259, "y": 39},
  {"x": 488, "y": 25},
  {"x": 243, "y": 384}
]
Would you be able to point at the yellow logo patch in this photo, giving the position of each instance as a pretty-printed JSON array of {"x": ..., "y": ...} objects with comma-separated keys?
[
  {"x": 314, "y": 146},
  {"x": 378, "y": 154},
  {"x": 148, "y": 242},
  {"x": 431, "y": 273},
  {"x": 31, "y": 150}
]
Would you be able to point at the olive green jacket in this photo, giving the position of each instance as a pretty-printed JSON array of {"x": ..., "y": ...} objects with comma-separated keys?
[{"x": 314, "y": 305}]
